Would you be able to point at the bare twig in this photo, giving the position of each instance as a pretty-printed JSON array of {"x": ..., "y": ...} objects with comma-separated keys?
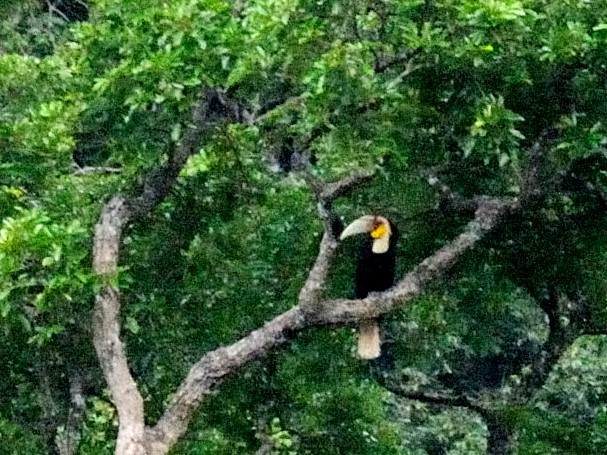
[
  {"x": 267, "y": 110},
  {"x": 332, "y": 191},
  {"x": 385, "y": 63},
  {"x": 83, "y": 4},
  {"x": 534, "y": 185},
  {"x": 410, "y": 67},
  {"x": 499, "y": 433},
  {"x": 437, "y": 398},
  {"x": 87, "y": 170},
  {"x": 54, "y": 10}
]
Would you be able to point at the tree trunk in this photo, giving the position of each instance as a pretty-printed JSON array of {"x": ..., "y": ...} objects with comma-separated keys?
[{"x": 500, "y": 436}]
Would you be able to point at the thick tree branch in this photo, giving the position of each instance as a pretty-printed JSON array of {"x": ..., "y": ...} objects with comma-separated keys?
[
  {"x": 116, "y": 214},
  {"x": 69, "y": 438},
  {"x": 489, "y": 213},
  {"x": 218, "y": 364},
  {"x": 311, "y": 310},
  {"x": 213, "y": 368}
]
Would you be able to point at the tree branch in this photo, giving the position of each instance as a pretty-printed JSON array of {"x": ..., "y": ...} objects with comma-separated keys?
[
  {"x": 215, "y": 366},
  {"x": 87, "y": 170},
  {"x": 311, "y": 292},
  {"x": 384, "y": 63},
  {"x": 535, "y": 184},
  {"x": 332, "y": 191},
  {"x": 499, "y": 433},
  {"x": 53, "y": 10},
  {"x": 489, "y": 213},
  {"x": 69, "y": 438},
  {"x": 116, "y": 214},
  {"x": 442, "y": 399},
  {"x": 211, "y": 109},
  {"x": 218, "y": 364}
]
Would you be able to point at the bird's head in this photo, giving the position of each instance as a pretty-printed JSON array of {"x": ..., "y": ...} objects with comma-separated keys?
[{"x": 378, "y": 227}]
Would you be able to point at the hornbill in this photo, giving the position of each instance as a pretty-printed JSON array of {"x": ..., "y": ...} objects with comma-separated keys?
[{"x": 374, "y": 272}]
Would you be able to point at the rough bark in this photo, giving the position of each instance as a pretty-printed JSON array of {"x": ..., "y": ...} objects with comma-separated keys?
[
  {"x": 115, "y": 216},
  {"x": 133, "y": 437},
  {"x": 106, "y": 331},
  {"x": 217, "y": 365},
  {"x": 67, "y": 441},
  {"x": 220, "y": 363},
  {"x": 489, "y": 213}
]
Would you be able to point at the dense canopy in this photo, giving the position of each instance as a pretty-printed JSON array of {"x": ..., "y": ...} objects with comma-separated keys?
[{"x": 174, "y": 176}]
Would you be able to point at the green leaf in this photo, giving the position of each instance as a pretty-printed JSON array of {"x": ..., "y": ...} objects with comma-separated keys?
[{"x": 132, "y": 325}]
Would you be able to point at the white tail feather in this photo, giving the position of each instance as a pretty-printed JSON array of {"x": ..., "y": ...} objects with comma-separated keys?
[{"x": 368, "y": 340}]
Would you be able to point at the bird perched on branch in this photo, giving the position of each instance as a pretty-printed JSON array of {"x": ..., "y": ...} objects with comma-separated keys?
[{"x": 374, "y": 272}]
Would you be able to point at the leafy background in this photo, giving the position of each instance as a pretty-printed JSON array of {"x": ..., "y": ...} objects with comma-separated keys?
[{"x": 111, "y": 87}]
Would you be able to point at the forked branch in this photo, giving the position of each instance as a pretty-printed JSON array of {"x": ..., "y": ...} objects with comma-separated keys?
[
  {"x": 215, "y": 366},
  {"x": 133, "y": 437},
  {"x": 115, "y": 216}
]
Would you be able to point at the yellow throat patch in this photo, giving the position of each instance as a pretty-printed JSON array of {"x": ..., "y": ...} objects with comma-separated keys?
[{"x": 379, "y": 232}]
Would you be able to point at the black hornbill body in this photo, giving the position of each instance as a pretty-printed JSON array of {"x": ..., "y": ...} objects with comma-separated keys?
[{"x": 374, "y": 272}]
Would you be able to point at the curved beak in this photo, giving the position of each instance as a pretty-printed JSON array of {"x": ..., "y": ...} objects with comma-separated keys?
[{"x": 362, "y": 225}]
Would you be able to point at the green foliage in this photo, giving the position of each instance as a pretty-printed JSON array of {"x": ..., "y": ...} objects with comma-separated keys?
[
  {"x": 577, "y": 389},
  {"x": 455, "y": 431},
  {"x": 42, "y": 273},
  {"x": 18, "y": 440},
  {"x": 100, "y": 427},
  {"x": 281, "y": 439},
  {"x": 211, "y": 441},
  {"x": 493, "y": 130},
  {"x": 548, "y": 432},
  {"x": 38, "y": 119},
  {"x": 453, "y": 89},
  {"x": 26, "y": 29}
]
